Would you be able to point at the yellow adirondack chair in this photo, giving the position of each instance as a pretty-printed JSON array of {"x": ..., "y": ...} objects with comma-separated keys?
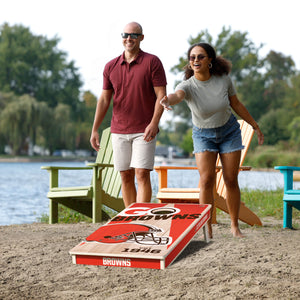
[
  {"x": 104, "y": 189},
  {"x": 191, "y": 195}
]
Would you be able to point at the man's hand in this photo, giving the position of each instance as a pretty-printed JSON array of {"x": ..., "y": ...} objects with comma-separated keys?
[
  {"x": 150, "y": 133},
  {"x": 94, "y": 140}
]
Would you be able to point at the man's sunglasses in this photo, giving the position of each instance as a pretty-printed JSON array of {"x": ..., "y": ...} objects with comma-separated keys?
[
  {"x": 132, "y": 35},
  {"x": 199, "y": 57}
]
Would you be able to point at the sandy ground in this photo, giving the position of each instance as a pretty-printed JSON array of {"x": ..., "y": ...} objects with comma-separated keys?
[{"x": 35, "y": 264}]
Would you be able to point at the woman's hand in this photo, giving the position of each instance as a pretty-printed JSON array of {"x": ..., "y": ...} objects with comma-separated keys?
[
  {"x": 165, "y": 103},
  {"x": 260, "y": 136}
]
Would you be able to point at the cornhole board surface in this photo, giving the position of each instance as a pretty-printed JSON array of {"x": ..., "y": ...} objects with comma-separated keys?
[{"x": 144, "y": 235}]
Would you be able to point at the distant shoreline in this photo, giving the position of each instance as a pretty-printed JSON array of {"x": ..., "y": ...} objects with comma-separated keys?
[
  {"x": 19, "y": 159},
  {"x": 175, "y": 161}
]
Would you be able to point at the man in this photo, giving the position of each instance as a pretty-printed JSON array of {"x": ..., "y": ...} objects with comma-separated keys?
[{"x": 137, "y": 82}]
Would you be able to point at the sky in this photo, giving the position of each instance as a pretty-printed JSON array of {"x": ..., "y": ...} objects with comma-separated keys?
[{"x": 90, "y": 30}]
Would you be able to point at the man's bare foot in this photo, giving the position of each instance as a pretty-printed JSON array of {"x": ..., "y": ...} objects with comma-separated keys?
[{"x": 236, "y": 232}]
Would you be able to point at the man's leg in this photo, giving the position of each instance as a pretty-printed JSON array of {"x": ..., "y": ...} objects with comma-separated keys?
[
  {"x": 143, "y": 162},
  {"x": 128, "y": 187},
  {"x": 122, "y": 149},
  {"x": 144, "y": 185}
]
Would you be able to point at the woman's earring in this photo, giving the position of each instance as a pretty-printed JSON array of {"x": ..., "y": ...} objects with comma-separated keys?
[
  {"x": 210, "y": 65},
  {"x": 189, "y": 67}
]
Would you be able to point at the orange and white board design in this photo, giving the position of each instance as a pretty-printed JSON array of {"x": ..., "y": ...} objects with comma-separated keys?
[{"x": 144, "y": 235}]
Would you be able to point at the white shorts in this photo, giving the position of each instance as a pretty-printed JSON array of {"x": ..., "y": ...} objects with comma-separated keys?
[{"x": 132, "y": 151}]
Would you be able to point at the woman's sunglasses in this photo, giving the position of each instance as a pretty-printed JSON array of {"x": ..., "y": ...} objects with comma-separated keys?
[{"x": 199, "y": 57}]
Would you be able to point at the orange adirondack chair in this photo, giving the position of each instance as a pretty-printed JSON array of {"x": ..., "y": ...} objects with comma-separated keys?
[{"x": 191, "y": 195}]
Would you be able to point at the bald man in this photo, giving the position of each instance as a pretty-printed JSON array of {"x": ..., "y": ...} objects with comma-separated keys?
[{"x": 136, "y": 81}]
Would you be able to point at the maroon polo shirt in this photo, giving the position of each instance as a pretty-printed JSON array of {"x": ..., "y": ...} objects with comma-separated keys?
[{"x": 134, "y": 96}]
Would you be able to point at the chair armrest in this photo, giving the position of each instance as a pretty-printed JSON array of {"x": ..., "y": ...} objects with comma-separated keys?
[
  {"x": 54, "y": 171},
  {"x": 163, "y": 173},
  {"x": 287, "y": 168},
  {"x": 245, "y": 168},
  {"x": 50, "y": 168},
  {"x": 100, "y": 165},
  {"x": 175, "y": 168},
  {"x": 287, "y": 172}
]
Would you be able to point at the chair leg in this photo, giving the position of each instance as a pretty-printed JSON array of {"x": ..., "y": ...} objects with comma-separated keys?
[
  {"x": 53, "y": 212},
  {"x": 97, "y": 207},
  {"x": 287, "y": 215},
  {"x": 214, "y": 216}
]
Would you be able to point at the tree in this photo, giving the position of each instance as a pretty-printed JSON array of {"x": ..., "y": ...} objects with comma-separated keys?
[
  {"x": 19, "y": 121},
  {"x": 294, "y": 128},
  {"x": 34, "y": 65},
  {"x": 274, "y": 126}
]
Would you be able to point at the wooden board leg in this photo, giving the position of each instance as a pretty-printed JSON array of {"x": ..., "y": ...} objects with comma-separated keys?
[{"x": 205, "y": 232}]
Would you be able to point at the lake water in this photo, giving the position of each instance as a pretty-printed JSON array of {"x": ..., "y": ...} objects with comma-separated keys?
[{"x": 24, "y": 186}]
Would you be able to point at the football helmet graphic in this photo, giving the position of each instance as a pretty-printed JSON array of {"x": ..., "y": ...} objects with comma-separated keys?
[{"x": 123, "y": 232}]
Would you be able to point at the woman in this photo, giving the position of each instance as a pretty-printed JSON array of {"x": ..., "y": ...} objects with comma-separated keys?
[{"x": 210, "y": 95}]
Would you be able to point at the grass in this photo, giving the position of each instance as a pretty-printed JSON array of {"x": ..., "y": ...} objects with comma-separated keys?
[
  {"x": 263, "y": 203},
  {"x": 67, "y": 215}
]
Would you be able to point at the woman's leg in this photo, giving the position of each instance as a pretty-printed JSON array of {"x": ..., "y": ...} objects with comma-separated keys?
[
  {"x": 206, "y": 163},
  {"x": 230, "y": 164}
]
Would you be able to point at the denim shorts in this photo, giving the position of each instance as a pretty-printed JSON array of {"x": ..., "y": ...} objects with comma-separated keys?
[{"x": 224, "y": 139}]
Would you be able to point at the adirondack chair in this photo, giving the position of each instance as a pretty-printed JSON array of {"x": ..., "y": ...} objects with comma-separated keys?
[
  {"x": 89, "y": 200},
  {"x": 191, "y": 195},
  {"x": 291, "y": 196}
]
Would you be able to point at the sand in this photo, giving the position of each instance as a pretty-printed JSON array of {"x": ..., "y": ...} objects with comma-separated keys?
[{"x": 35, "y": 264}]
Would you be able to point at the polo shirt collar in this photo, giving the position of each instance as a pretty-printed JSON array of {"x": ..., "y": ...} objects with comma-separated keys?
[{"x": 136, "y": 60}]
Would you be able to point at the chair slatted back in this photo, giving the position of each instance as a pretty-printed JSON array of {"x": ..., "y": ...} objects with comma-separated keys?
[{"x": 111, "y": 179}]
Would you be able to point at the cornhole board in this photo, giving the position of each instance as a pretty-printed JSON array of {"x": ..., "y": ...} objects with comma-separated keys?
[{"x": 144, "y": 235}]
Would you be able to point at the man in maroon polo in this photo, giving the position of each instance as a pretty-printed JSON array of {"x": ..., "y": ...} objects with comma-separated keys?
[{"x": 136, "y": 80}]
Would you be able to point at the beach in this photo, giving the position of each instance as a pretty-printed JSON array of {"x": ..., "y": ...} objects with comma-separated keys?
[{"x": 35, "y": 264}]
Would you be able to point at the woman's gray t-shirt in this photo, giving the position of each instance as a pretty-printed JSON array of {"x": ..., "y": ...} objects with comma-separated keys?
[{"x": 208, "y": 100}]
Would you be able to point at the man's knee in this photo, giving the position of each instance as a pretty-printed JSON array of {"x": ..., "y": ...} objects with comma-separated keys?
[
  {"x": 127, "y": 176},
  {"x": 142, "y": 175}
]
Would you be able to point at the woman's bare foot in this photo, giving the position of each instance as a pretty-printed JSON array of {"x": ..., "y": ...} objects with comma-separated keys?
[{"x": 236, "y": 232}]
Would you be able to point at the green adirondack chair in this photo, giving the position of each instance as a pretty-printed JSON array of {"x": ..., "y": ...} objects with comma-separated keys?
[{"x": 89, "y": 200}]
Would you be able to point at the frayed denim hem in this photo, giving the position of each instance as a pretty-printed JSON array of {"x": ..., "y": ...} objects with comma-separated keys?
[
  {"x": 209, "y": 150},
  {"x": 213, "y": 150}
]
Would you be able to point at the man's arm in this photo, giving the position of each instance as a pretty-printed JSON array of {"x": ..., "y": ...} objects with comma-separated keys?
[
  {"x": 101, "y": 110},
  {"x": 152, "y": 129}
]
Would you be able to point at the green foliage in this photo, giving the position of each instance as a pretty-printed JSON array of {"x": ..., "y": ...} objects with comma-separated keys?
[
  {"x": 187, "y": 142},
  {"x": 34, "y": 65},
  {"x": 294, "y": 129},
  {"x": 40, "y": 95},
  {"x": 278, "y": 66},
  {"x": 19, "y": 121},
  {"x": 67, "y": 215},
  {"x": 270, "y": 156},
  {"x": 274, "y": 125},
  {"x": 264, "y": 203}
]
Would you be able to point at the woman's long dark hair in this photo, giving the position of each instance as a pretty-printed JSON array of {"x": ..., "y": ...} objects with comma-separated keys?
[{"x": 220, "y": 65}]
